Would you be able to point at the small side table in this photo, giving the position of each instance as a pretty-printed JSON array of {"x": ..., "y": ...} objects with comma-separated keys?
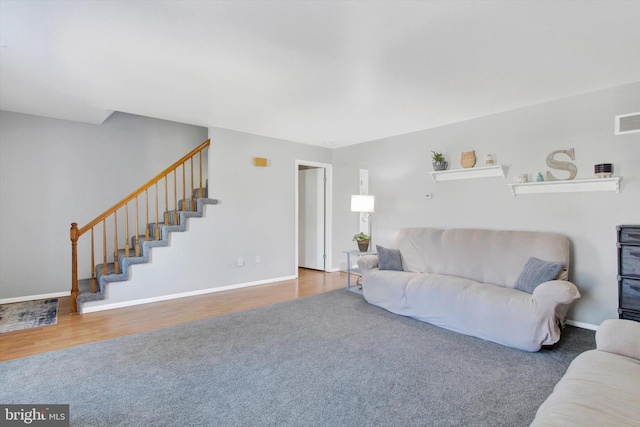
[{"x": 351, "y": 270}]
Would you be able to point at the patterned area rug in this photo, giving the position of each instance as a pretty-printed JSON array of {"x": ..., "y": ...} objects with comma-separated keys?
[{"x": 29, "y": 314}]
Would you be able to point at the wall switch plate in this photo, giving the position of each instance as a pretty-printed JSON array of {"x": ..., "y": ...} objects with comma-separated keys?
[
  {"x": 427, "y": 196},
  {"x": 240, "y": 262},
  {"x": 258, "y": 259}
]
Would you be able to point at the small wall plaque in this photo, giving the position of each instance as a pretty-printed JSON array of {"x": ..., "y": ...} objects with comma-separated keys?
[{"x": 260, "y": 162}]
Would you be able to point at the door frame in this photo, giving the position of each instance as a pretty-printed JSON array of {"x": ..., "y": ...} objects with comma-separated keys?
[{"x": 328, "y": 216}]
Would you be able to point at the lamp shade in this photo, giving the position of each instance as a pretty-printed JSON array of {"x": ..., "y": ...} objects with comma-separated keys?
[{"x": 362, "y": 203}]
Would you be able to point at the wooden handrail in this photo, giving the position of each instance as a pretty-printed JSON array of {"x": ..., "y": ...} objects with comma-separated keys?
[
  {"x": 76, "y": 232},
  {"x": 140, "y": 190}
]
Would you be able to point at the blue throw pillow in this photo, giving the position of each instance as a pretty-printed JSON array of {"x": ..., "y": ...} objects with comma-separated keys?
[
  {"x": 535, "y": 272},
  {"x": 389, "y": 259}
]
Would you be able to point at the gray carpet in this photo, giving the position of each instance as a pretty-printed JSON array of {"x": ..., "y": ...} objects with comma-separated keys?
[{"x": 326, "y": 360}]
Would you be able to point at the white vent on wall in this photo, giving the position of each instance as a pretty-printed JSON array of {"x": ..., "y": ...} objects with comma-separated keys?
[{"x": 627, "y": 123}]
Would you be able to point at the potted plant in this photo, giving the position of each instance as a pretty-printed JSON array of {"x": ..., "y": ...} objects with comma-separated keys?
[
  {"x": 439, "y": 162},
  {"x": 363, "y": 241}
]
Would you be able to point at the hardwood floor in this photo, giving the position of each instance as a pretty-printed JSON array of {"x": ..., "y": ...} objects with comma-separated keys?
[{"x": 72, "y": 330}]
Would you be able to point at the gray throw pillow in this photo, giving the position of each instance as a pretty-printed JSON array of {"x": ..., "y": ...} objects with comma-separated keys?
[
  {"x": 389, "y": 259},
  {"x": 536, "y": 272}
]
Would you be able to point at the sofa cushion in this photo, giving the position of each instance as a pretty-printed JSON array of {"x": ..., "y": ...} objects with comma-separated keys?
[
  {"x": 389, "y": 259},
  {"x": 619, "y": 336},
  {"x": 494, "y": 313},
  {"x": 536, "y": 272},
  {"x": 487, "y": 256}
]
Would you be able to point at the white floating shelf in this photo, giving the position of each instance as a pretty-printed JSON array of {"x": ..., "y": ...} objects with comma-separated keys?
[
  {"x": 470, "y": 173},
  {"x": 567, "y": 186}
]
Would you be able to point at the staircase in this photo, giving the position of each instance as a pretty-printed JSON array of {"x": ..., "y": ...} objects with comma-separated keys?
[
  {"x": 118, "y": 256},
  {"x": 102, "y": 278}
]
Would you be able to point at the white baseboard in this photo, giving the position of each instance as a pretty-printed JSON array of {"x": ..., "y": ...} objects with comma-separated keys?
[
  {"x": 103, "y": 307},
  {"x": 582, "y": 325},
  {"x": 34, "y": 297}
]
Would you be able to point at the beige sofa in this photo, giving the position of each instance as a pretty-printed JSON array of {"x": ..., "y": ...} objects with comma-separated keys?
[
  {"x": 601, "y": 387},
  {"x": 463, "y": 280}
]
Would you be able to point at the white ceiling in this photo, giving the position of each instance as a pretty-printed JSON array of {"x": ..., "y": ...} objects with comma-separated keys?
[{"x": 317, "y": 72}]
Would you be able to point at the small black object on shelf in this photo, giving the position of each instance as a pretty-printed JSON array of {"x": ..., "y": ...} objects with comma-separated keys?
[{"x": 603, "y": 170}]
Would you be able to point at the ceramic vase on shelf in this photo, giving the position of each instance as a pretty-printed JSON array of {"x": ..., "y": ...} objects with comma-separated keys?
[
  {"x": 440, "y": 166},
  {"x": 468, "y": 159}
]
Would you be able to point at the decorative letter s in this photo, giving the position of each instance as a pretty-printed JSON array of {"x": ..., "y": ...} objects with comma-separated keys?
[{"x": 565, "y": 166}]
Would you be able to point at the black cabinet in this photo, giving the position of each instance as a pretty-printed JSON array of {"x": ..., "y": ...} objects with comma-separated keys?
[{"x": 629, "y": 272}]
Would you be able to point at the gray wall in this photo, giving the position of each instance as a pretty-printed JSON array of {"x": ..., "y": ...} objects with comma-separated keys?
[
  {"x": 520, "y": 139},
  {"x": 64, "y": 167},
  {"x": 256, "y": 215},
  {"x": 54, "y": 172}
]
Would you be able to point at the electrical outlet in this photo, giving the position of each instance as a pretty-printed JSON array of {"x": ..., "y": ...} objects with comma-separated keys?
[
  {"x": 427, "y": 196},
  {"x": 258, "y": 259}
]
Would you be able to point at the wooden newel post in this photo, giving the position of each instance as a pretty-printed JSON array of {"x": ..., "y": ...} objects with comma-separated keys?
[{"x": 74, "y": 267}]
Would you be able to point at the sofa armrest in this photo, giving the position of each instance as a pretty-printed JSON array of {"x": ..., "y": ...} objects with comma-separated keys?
[
  {"x": 619, "y": 336},
  {"x": 367, "y": 262},
  {"x": 559, "y": 291}
]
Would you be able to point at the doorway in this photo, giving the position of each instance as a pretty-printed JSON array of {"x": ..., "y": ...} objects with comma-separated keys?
[{"x": 313, "y": 216}]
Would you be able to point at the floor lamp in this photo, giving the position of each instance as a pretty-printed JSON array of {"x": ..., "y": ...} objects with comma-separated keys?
[{"x": 364, "y": 203}]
